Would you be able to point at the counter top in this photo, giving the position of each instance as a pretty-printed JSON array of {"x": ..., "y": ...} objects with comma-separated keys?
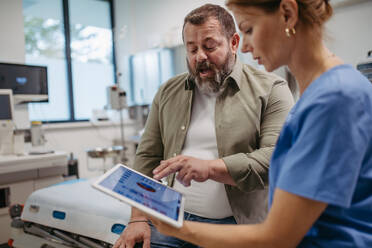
[{"x": 15, "y": 163}]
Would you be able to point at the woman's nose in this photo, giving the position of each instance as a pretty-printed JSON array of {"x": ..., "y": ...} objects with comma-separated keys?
[{"x": 246, "y": 47}]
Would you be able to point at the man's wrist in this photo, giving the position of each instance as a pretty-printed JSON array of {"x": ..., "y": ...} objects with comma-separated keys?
[
  {"x": 138, "y": 217},
  {"x": 213, "y": 168},
  {"x": 217, "y": 171},
  {"x": 137, "y": 214},
  {"x": 137, "y": 221}
]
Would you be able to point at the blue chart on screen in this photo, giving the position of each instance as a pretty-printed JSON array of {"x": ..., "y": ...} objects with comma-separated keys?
[{"x": 144, "y": 191}]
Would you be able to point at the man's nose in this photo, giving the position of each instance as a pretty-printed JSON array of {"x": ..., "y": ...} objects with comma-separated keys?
[{"x": 201, "y": 56}]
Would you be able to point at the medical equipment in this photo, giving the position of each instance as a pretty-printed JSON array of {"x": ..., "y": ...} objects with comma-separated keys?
[
  {"x": 71, "y": 214},
  {"x": 116, "y": 98},
  {"x": 22, "y": 175},
  {"x": 18, "y": 142},
  {"x": 37, "y": 134},
  {"x": 6, "y": 122},
  {"x": 103, "y": 153},
  {"x": 140, "y": 114},
  {"x": 365, "y": 67}
]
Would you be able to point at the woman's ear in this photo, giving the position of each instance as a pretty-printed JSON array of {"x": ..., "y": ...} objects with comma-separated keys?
[{"x": 289, "y": 12}]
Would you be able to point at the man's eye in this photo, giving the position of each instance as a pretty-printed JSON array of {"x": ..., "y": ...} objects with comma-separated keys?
[
  {"x": 192, "y": 51},
  {"x": 210, "y": 47}
]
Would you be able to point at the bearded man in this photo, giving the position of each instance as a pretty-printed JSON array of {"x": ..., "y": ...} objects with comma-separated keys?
[{"x": 213, "y": 129}]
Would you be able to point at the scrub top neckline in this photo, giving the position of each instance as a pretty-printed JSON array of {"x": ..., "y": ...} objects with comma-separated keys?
[{"x": 324, "y": 74}]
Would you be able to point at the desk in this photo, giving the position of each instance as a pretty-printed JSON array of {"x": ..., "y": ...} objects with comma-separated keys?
[{"x": 21, "y": 175}]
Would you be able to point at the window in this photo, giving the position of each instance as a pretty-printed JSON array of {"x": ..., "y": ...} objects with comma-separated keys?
[{"x": 74, "y": 40}]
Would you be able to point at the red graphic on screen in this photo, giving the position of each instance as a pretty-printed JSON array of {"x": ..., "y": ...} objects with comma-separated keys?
[{"x": 146, "y": 187}]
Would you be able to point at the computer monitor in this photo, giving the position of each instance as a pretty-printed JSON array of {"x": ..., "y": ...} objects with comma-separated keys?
[
  {"x": 6, "y": 106},
  {"x": 29, "y": 83}
]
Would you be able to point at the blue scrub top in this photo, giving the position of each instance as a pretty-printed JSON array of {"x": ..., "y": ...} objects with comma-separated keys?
[{"x": 324, "y": 153}]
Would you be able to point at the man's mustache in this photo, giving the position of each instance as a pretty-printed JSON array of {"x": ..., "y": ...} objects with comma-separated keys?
[{"x": 205, "y": 65}]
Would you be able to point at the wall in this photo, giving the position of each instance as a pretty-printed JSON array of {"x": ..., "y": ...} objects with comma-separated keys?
[
  {"x": 149, "y": 23},
  {"x": 80, "y": 137},
  {"x": 12, "y": 42},
  {"x": 349, "y": 31}
]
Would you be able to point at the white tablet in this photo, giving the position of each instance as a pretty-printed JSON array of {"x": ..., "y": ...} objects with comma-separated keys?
[{"x": 144, "y": 193}]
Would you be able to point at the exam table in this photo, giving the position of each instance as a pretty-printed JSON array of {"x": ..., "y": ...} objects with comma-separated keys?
[{"x": 71, "y": 214}]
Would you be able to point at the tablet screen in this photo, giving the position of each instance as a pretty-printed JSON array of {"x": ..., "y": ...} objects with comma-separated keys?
[{"x": 143, "y": 190}]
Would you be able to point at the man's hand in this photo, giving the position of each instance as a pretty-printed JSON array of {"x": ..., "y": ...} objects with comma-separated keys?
[
  {"x": 188, "y": 169},
  {"x": 136, "y": 232}
]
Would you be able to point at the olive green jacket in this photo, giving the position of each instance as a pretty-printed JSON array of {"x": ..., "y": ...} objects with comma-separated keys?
[{"x": 249, "y": 115}]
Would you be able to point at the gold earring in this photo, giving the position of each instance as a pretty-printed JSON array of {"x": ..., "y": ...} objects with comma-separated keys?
[{"x": 287, "y": 32}]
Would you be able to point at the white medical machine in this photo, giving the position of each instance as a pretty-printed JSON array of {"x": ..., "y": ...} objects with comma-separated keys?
[
  {"x": 71, "y": 214},
  {"x": 6, "y": 122},
  {"x": 22, "y": 175},
  {"x": 116, "y": 98}
]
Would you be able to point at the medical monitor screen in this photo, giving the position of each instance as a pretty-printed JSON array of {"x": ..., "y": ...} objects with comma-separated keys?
[
  {"x": 24, "y": 79},
  {"x": 5, "y": 107}
]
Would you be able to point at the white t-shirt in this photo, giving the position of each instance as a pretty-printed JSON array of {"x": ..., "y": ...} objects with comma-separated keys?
[{"x": 207, "y": 199}]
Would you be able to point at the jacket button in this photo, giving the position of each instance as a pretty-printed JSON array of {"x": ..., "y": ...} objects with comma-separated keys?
[
  {"x": 174, "y": 154},
  {"x": 183, "y": 128}
]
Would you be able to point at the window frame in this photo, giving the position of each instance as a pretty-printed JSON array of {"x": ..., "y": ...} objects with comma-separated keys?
[{"x": 68, "y": 60}]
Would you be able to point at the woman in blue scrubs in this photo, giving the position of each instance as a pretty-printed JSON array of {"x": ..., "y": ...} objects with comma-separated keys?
[{"x": 321, "y": 170}]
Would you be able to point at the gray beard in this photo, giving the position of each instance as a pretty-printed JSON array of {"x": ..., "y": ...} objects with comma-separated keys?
[{"x": 213, "y": 85}]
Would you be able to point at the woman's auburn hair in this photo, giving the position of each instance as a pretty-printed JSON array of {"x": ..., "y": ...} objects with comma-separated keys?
[{"x": 311, "y": 13}]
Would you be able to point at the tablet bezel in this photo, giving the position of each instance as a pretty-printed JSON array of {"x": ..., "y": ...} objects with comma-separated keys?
[{"x": 150, "y": 211}]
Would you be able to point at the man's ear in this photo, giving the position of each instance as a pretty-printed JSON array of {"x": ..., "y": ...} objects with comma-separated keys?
[
  {"x": 234, "y": 43},
  {"x": 289, "y": 12}
]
